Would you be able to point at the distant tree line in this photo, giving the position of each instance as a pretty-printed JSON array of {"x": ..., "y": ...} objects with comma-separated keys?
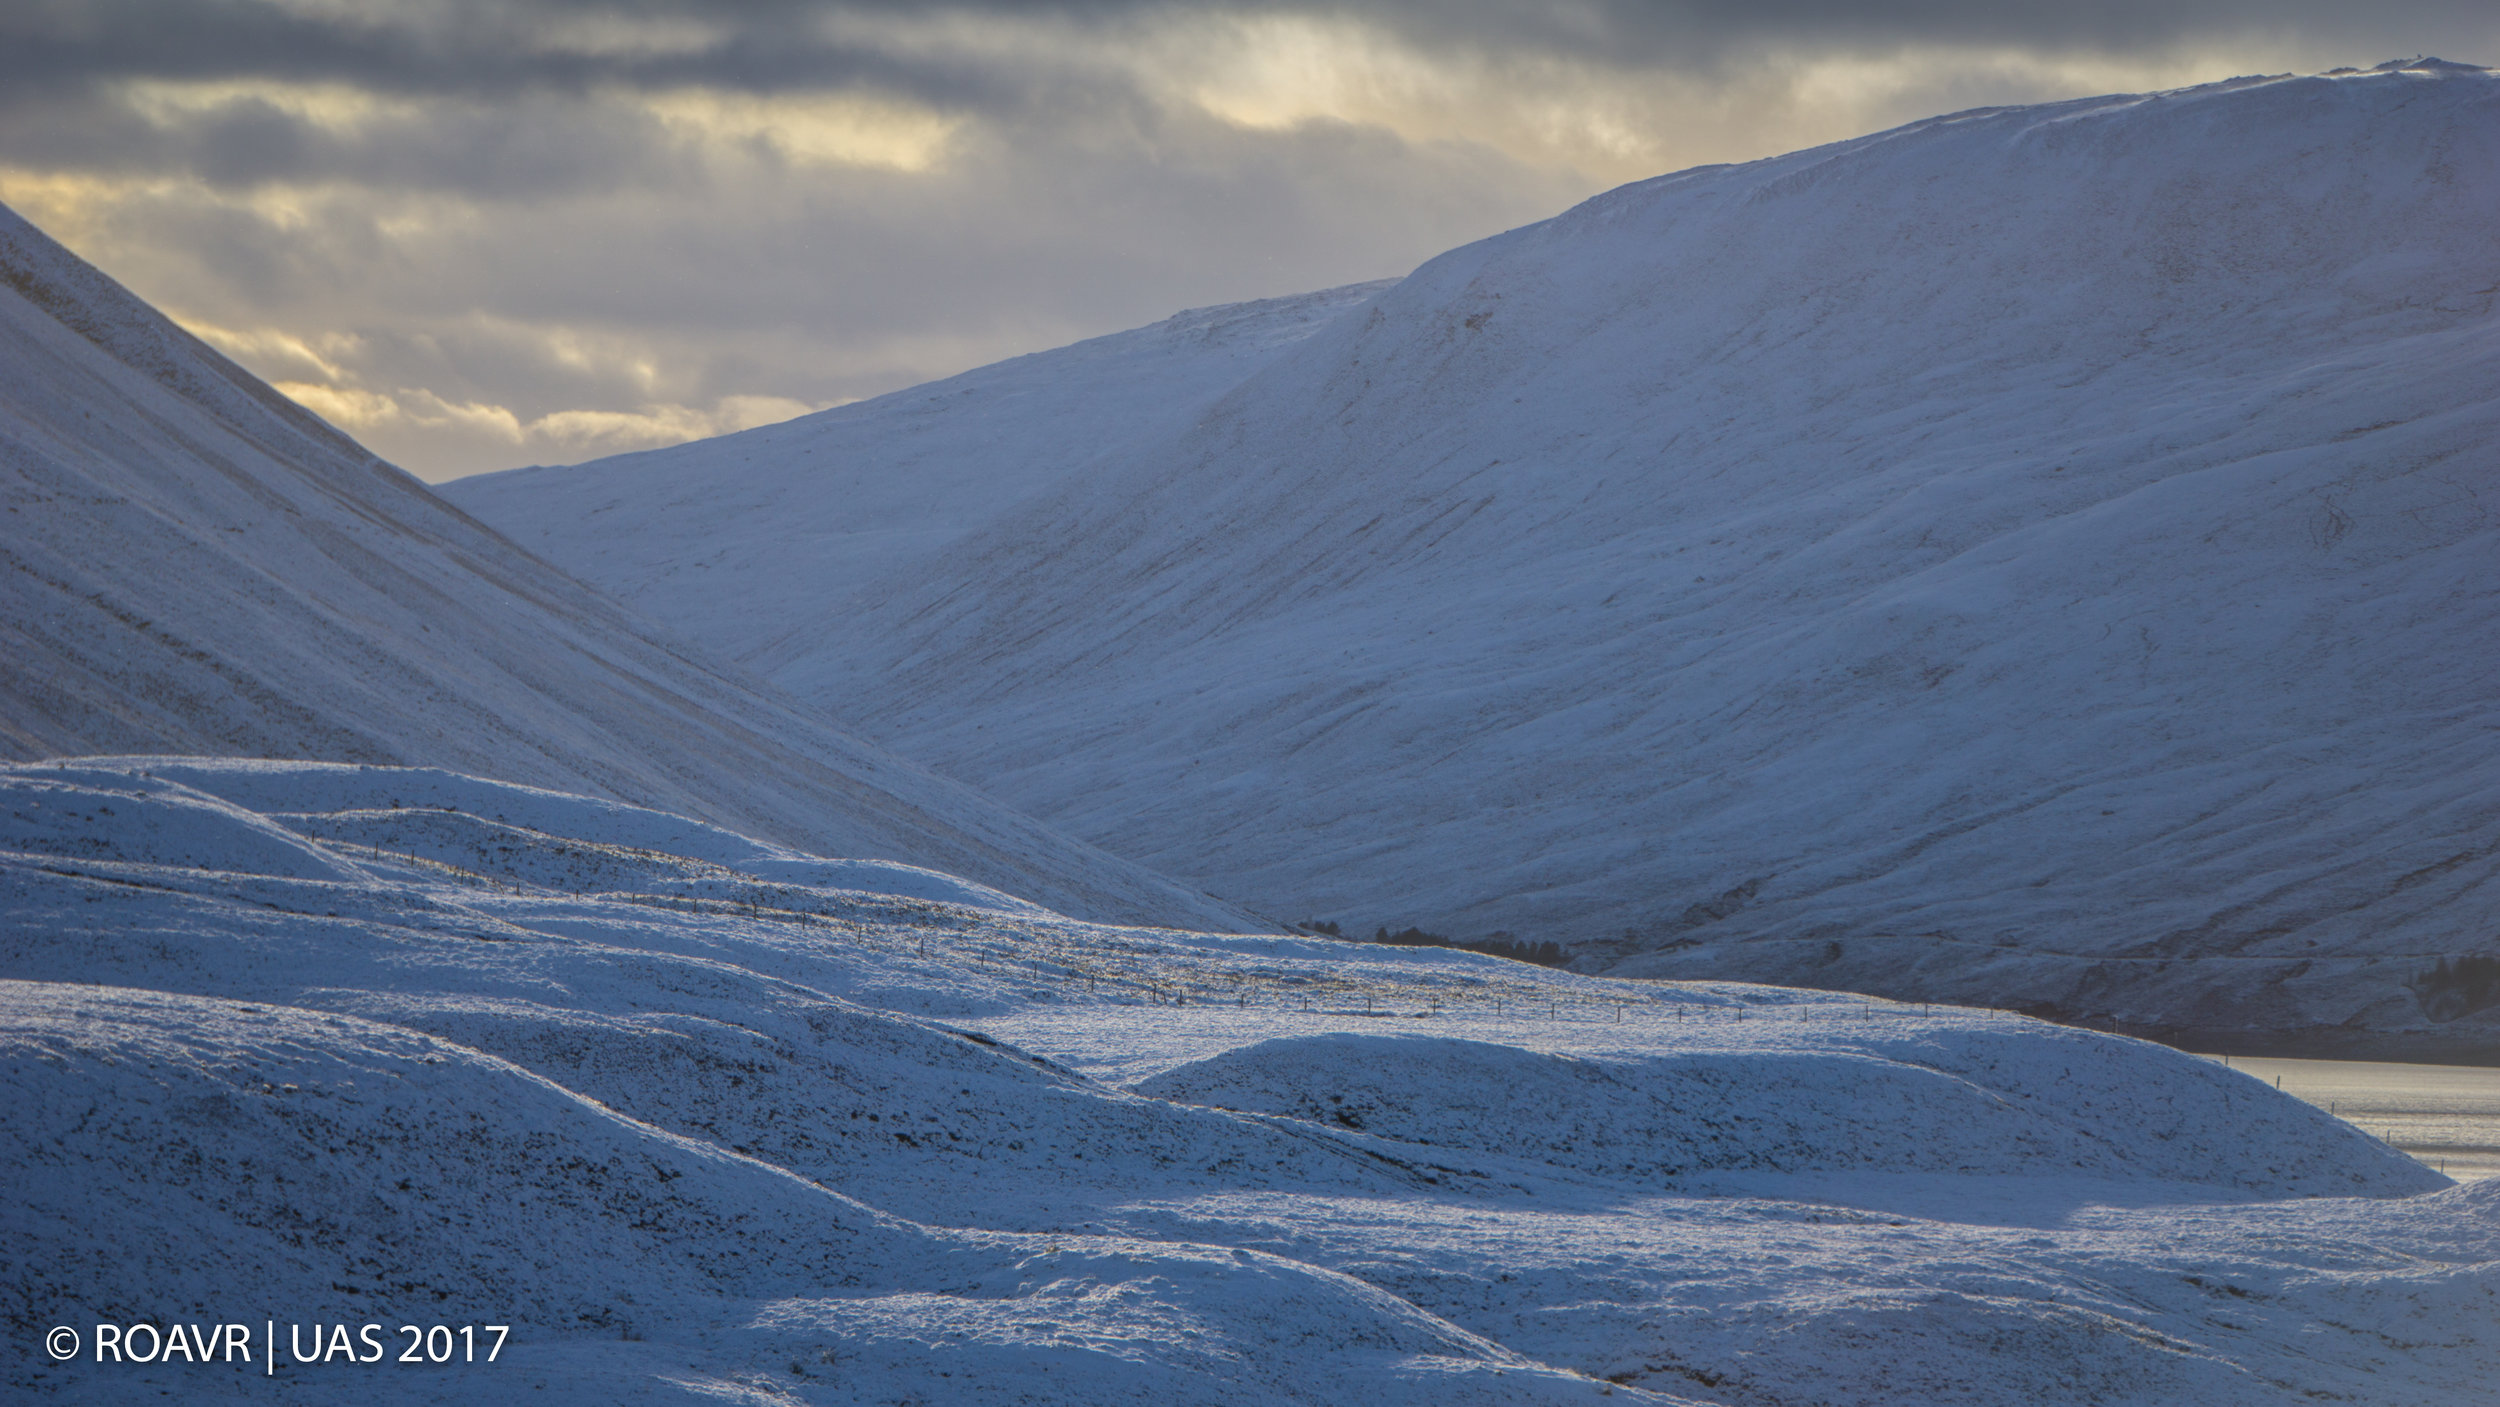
[{"x": 1500, "y": 945}]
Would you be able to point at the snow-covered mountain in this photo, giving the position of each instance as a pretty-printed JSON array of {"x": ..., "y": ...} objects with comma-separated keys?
[
  {"x": 193, "y": 564},
  {"x": 2039, "y": 555},
  {"x": 705, "y": 1119},
  {"x": 818, "y": 509}
]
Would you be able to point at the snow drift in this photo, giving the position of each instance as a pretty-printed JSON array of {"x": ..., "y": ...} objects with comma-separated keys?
[
  {"x": 2035, "y": 556},
  {"x": 194, "y": 564},
  {"x": 1655, "y": 1116},
  {"x": 384, "y": 1045},
  {"x": 182, "y": 1159}
]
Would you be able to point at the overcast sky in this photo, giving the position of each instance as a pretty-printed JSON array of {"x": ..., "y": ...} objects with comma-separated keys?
[{"x": 484, "y": 233}]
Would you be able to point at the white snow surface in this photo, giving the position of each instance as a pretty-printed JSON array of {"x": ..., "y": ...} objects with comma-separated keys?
[
  {"x": 379, "y": 1045},
  {"x": 813, "y": 509},
  {"x": 2037, "y": 555},
  {"x": 190, "y": 563}
]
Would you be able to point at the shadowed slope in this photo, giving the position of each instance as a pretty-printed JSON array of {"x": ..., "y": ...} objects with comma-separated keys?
[
  {"x": 2036, "y": 556},
  {"x": 190, "y": 563}
]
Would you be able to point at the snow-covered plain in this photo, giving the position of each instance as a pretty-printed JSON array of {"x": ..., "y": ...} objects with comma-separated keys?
[
  {"x": 194, "y": 564},
  {"x": 2036, "y": 556},
  {"x": 710, "y": 1120}
]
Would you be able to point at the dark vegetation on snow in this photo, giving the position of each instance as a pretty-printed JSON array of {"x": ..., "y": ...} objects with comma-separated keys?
[
  {"x": 2459, "y": 987},
  {"x": 1500, "y": 945}
]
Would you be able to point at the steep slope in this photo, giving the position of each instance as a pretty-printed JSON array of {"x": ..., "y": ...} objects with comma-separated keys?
[
  {"x": 2038, "y": 555},
  {"x": 192, "y": 564},
  {"x": 820, "y": 508}
]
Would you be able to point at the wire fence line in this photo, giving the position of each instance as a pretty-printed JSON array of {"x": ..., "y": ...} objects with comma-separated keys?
[
  {"x": 1130, "y": 967},
  {"x": 1104, "y": 967}
]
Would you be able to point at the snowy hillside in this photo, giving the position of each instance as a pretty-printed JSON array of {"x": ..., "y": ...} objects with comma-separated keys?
[
  {"x": 707, "y": 1119},
  {"x": 823, "y": 507},
  {"x": 2036, "y": 556},
  {"x": 196, "y": 565}
]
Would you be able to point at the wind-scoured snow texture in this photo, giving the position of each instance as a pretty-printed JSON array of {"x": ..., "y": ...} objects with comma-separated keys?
[
  {"x": 191, "y": 1161},
  {"x": 190, "y": 563},
  {"x": 1929, "y": 1105},
  {"x": 376, "y": 1045},
  {"x": 796, "y": 517},
  {"x": 2037, "y": 556}
]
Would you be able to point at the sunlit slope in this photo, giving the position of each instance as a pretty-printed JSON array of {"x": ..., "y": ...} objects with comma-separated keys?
[{"x": 192, "y": 564}]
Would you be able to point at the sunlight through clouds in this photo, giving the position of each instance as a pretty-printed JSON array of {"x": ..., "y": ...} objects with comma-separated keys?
[
  {"x": 577, "y": 432},
  {"x": 337, "y": 107},
  {"x": 476, "y": 233},
  {"x": 283, "y": 352},
  {"x": 1278, "y": 71},
  {"x": 1612, "y": 123},
  {"x": 838, "y": 129}
]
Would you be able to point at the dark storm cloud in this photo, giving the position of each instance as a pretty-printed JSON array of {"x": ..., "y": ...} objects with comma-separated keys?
[
  {"x": 532, "y": 144},
  {"x": 481, "y": 48},
  {"x": 477, "y": 49},
  {"x": 496, "y": 76},
  {"x": 509, "y": 90},
  {"x": 1646, "y": 32},
  {"x": 488, "y": 232}
]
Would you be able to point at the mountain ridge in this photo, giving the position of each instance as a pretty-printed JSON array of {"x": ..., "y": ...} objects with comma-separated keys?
[
  {"x": 197, "y": 565},
  {"x": 2027, "y": 556}
]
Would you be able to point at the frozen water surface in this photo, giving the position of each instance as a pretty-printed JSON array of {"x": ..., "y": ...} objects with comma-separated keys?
[{"x": 2445, "y": 1115}]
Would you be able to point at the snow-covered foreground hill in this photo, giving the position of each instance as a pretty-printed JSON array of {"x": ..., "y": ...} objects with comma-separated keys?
[
  {"x": 705, "y": 1119},
  {"x": 2036, "y": 556},
  {"x": 189, "y": 562}
]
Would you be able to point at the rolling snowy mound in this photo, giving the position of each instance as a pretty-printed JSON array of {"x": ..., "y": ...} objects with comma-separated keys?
[
  {"x": 196, "y": 565},
  {"x": 1653, "y": 1115},
  {"x": 369, "y": 1045},
  {"x": 337, "y": 1163},
  {"x": 2035, "y": 556}
]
